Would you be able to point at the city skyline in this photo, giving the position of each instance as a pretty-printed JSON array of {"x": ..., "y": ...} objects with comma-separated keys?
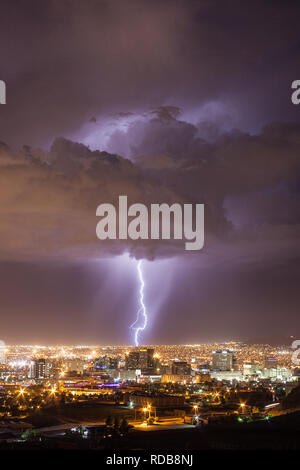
[{"x": 82, "y": 397}]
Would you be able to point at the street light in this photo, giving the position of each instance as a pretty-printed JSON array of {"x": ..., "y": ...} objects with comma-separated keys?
[{"x": 145, "y": 411}]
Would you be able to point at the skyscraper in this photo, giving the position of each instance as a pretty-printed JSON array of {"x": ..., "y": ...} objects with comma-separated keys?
[
  {"x": 142, "y": 359},
  {"x": 106, "y": 363},
  {"x": 222, "y": 360},
  {"x": 40, "y": 369},
  {"x": 146, "y": 360},
  {"x": 181, "y": 368},
  {"x": 270, "y": 362},
  {"x": 74, "y": 366},
  {"x": 132, "y": 360}
]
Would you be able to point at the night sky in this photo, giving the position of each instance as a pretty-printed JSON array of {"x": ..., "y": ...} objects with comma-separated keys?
[{"x": 164, "y": 101}]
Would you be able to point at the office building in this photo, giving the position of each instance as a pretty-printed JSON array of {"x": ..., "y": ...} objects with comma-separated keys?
[
  {"x": 40, "y": 369},
  {"x": 282, "y": 373},
  {"x": 181, "y": 368},
  {"x": 146, "y": 360},
  {"x": 132, "y": 360},
  {"x": 222, "y": 360},
  {"x": 229, "y": 375},
  {"x": 106, "y": 363},
  {"x": 270, "y": 362},
  {"x": 74, "y": 366},
  {"x": 142, "y": 359},
  {"x": 250, "y": 369}
]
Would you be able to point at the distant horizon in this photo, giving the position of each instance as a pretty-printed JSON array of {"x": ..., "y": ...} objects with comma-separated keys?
[{"x": 95, "y": 345}]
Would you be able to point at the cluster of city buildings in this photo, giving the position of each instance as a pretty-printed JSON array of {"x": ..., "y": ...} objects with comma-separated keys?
[
  {"x": 144, "y": 379},
  {"x": 164, "y": 364}
]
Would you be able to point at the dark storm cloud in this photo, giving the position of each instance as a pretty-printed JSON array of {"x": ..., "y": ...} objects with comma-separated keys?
[
  {"x": 49, "y": 202},
  {"x": 67, "y": 61},
  {"x": 247, "y": 183}
]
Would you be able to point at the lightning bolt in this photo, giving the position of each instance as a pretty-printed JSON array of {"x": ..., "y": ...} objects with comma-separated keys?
[{"x": 142, "y": 312}]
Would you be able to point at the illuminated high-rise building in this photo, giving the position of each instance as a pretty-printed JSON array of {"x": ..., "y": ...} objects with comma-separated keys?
[
  {"x": 146, "y": 360},
  {"x": 181, "y": 368},
  {"x": 250, "y": 368},
  {"x": 74, "y": 366},
  {"x": 40, "y": 369},
  {"x": 142, "y": 359},
  {"x": 222, "y": 360},
  {"x": 132, "y": 360},
  {"x": 270, "y": 362},
  {"x": 106, "y": 363}
]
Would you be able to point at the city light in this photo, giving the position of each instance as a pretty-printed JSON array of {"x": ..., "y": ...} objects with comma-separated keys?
[{"x": 77, "y": 379}]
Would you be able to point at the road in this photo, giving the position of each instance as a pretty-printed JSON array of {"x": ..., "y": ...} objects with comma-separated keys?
[
  {"x": 162, "y": 426},
  {"x": 164, "y": 423}
]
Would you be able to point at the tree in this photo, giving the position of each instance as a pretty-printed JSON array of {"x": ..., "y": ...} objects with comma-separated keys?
[
  {"x": 117, "y": 422},
  {"x": 109, "y": 421},
  {"x": 31, "y": 435},
  {"x": 124, "y": 426}
]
